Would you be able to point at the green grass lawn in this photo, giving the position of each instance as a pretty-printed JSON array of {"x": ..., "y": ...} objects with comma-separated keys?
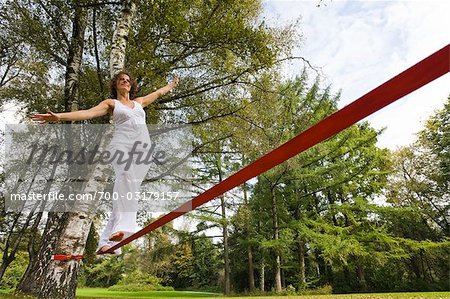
[{"x": 104, "y": 293}]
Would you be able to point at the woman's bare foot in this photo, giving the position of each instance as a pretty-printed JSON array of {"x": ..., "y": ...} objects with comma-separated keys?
[
  {"x": 117, "y": 236},
  {"x": 103, "y": 249}
]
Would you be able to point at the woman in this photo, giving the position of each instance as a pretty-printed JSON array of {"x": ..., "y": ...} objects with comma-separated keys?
[{"x": 129, "y": 120}]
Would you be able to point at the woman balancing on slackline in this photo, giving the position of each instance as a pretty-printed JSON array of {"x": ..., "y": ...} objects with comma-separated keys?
[{"x": 129, "y": 122}]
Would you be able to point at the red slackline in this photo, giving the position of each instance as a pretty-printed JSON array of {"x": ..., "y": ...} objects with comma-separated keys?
[{"x": 420, "y": 74}]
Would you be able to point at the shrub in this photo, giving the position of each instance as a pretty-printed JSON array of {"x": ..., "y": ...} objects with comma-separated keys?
[
  {"x": 139, "y": 281},
  {"x": 14, "y": 272},
  {"x": 290, "y": 290},
  {"x": 324, "y": 290}
]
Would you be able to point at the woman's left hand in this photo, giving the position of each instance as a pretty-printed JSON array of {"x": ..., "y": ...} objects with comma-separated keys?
[{"x": 175, "y": 81}]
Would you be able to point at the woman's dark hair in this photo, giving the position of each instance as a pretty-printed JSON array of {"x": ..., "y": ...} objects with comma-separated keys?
[{"x": 114, "y": 80}]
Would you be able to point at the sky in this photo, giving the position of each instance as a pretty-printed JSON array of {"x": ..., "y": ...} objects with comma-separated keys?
[{"x": 361, "y": 44}]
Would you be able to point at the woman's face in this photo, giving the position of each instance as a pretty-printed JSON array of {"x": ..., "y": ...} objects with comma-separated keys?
[{"x": 123, "y": 83}]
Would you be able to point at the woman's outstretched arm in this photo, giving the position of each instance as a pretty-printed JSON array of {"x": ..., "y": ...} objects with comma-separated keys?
[
  {"x": 150, "y": 98},
  {"x": 101, "y": 109}
]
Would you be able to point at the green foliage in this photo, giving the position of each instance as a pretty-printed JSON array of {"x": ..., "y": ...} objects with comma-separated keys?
[
  {"x": 36, "y": 35},
  {"x": 216, "y": 47},
  {"x": 324, "y": 205},
  {"x": 436, "y": 138},
  {"x": 91, "y": 246},
  {"x": 206, "y": 262},
  {"x": 139, "y": 281},
  {"x": 105, "y": 273},
  {"x": 195, "y": 265},
  {"x": 418, "y": 190},
  {"x": 155, "y": 257},
  {"x": 14, "y": 272},
  {"x": 180, "y": 270},
  {"x": 324, "y": 290},
  {"x": 421, "y": 179}
]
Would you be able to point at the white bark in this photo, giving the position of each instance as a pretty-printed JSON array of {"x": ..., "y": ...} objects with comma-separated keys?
[
  {"x": 66, "y": 233},
  {"x": 59, "y": 281},
  {"x": 262, "y": 269},
  {"x": 120, "y": 38},
  {"x": 278, "y": 287}
]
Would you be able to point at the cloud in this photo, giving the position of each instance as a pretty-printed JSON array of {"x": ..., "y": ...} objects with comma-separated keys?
[{"x": 361, "y": 44}]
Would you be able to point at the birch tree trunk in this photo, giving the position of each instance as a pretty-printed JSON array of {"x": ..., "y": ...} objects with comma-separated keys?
[
  {"x": 227, "y": 287},
  {"x": 66, "y": 233},
  {"x": 225, "y": 248},
  {"x": 262, "y": 279},
  {"x": 276, "y": 237},
  {"x": 120, "y": 37}
]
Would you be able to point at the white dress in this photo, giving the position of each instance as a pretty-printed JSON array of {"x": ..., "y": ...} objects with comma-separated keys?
[{"x": 130, "y": 130}]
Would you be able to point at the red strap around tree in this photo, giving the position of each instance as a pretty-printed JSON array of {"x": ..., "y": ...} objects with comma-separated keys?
[
  {"x": 427, "y": 70},
  {"x": 62, "y": 257}
]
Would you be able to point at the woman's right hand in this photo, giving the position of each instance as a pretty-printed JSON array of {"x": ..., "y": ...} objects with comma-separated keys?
[{"x": 46, "y": 117}]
